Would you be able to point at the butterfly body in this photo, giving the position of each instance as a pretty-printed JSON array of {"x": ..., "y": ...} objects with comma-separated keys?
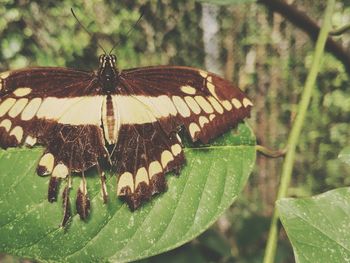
[{"x": 127, "y": 119}]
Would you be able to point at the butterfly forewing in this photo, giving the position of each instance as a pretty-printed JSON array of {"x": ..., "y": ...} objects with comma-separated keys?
[
  {"x": 48, "y": 82},
  {"x": 204, "y": 103}
]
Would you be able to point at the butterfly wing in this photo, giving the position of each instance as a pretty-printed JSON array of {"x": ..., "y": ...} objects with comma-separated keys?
[
  {"x": 164, "y": 99},
  {"x": 64, "y": 110},
  {"x": 206, "y": 104},
  {"x": 58, "y": 108}
]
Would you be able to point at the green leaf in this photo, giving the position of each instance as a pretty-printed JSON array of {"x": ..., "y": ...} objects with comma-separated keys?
[
  {"x": 344, "y": 155},
  {"x": 206, "y": 187},
  {"x": 228, "y": 2},
  {"x": 318, "y": 227}
]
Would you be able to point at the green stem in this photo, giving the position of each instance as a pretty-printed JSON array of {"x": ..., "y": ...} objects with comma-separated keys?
[{"x": 296, "y": 129}]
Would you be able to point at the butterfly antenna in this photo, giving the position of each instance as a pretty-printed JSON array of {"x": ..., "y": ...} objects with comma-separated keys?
[
  {"x": 129, "y": 32},
  {"x": 85, "y": 29}
]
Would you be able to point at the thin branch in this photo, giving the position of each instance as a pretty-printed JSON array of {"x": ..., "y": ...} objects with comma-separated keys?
[
  {"x": 294, "y": 135},
  {"x": 269, "y": 152},
  {"x": 340, "y": 31},
  {"x": 309, "y": 26}
]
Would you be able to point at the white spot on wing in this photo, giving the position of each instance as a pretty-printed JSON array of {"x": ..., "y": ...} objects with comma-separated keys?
[
  {"x": 246, "y": 102},
  {"x": 188, "y": 89},
  {"x": 192, "y": 104},
  {"x": 125, "y": 180},
  {"x": 236, "y": 103},
  {"x": 211, "y": 117},
  {"x": 18, "y": 107},
  {"x": 6, "y": 105},
  {"x": 227, "y": 105},
  {"x": 6, "y": 124},
  {"x": 211, "y": 88},
  {"x": 166, "y": 158},
  {"x": 154, "y": 168},
  {"x": 181, "y": 106},
  {"x": 21, "y": 92},
  {"x": 31, "y": 109},
  {"x": 5, "y": 74},
  {"x": 165, "y": 105},
  {"x": 205, "y": 105},
  {"x": 47, "y": 161},
  {"x": 203, "y": 73},
  {"x": 217, "y": 106},
  {"x": 60, "y": 171},
  {"x": 176, "y": 149},
  {"x": 141, "y": 176},
  {"x": 194, "y": 128},
  {"x": 18, "y": 133},
  {"x": 203, "y": 120},
  {"x": 31, "y": 141}
]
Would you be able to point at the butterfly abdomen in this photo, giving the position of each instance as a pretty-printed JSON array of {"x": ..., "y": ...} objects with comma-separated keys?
[{"x": 109, "y": 118}]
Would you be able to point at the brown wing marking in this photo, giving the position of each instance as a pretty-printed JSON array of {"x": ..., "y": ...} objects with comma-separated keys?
[
  {"x": 143, "y": 154},
  {"x": 48, "y": 82}
]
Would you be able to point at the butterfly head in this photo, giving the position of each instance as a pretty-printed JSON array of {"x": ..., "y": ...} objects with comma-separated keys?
[{"x": 108, "y": 73}]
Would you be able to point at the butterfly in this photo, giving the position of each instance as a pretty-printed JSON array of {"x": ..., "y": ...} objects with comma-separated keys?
[{"x": 126, "y": 121}]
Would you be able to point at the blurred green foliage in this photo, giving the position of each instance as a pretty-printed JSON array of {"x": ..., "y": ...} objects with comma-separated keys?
[
  {"x": 45, "y": 33},
  {"x": 264, "y": 54}
]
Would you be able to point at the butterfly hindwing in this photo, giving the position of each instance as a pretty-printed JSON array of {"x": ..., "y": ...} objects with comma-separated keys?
[{"x": 142, "y": 156}]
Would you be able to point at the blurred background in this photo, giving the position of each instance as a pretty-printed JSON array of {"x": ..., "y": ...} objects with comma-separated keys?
[{"x": 259, "y": 51}]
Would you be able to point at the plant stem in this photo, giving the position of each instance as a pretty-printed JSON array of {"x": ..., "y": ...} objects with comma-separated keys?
[{"x": 293, "y": 138}]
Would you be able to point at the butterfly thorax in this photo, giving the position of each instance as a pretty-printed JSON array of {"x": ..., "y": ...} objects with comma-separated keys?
[{"x": 108, "y": 73}]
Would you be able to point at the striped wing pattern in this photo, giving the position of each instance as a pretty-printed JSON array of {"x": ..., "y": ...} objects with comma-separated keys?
[{"x": 132, "y": 131}]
